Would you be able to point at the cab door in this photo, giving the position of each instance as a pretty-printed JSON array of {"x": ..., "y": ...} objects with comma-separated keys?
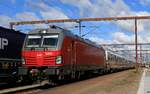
[{"x": 73, "y": 58}]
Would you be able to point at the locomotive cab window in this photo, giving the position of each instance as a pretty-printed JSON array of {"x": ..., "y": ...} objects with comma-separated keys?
[
  {"x": 33, "y": 41},
  {"x": 50, "y": 41}
]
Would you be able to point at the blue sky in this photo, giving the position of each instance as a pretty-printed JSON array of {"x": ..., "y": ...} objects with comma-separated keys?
[{"x": 103, "y": 32}]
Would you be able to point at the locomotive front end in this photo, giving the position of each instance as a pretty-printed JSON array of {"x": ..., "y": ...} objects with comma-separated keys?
[{"x": 41, "y": 53}]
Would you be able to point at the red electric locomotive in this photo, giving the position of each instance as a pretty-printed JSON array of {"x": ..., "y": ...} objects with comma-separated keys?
[{"x": 56, "y": 53}]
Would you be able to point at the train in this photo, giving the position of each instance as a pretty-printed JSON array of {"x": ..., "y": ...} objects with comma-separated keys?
[
  {"x": 117, "y": 62},
  {"x": 57, "y": 54},
  {"x": 11, "y": 43}
]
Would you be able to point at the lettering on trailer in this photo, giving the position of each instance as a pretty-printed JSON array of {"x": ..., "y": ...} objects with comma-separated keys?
[{"x": 3, "y": 43}]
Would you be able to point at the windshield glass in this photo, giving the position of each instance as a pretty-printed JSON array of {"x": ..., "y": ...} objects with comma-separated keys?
[
  {"x": 50, "y": 40},
  {"x": 33, "y": 41}
]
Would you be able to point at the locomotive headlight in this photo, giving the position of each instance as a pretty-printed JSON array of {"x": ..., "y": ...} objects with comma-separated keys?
[
  {"x": 58, "y": 59},
  {"x": 44, "y": 31},
  {"x": 23, "y": 61}
]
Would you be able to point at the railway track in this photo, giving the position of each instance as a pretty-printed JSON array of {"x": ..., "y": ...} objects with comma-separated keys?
[
  {"x": 36, "y": 88},
  {"x": 16, "y": 90}
]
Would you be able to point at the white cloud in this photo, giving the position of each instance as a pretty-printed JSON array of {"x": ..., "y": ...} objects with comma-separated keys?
[
  {"x": 145, "y": 2},
  {"x": 121, "y": 37},
  {"x": 100, "y": 8},
  {"x": 13, "y": 1},
  {"x": 124, "y": 38},
  {"x": 85, "y": 6},
  {"x": 39, "y": 6},
  {"x": 146, "y": 37},
  {"x": 101, "y": 40},
  {"x": 53, "y": 14},
  {"x": 46, "y": 11},
  {"x": 27, "y": 16},
  {"x": 109, "y": 8},
  {"x": 24, "y": 16},
  {"x": 4, "y": 20}
]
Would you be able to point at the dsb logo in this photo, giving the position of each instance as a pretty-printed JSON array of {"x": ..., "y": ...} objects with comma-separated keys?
[{"x": 3, "y": 43}]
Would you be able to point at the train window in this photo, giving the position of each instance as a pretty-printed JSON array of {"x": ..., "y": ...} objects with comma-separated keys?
[
  {"x": 33, "y": 41},
  {"x": 109, "y": 58},
  {"x": 115, "y": 58},
  {"x": 112, "y": 57},
  {"x": 50, "y": 40}
]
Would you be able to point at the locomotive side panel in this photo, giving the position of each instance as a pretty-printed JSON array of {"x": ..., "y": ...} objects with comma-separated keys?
[
  {"x": 79, "y": 56},
  {"x": 89, "y": 57},
  {"x": 66, "y": 51},
  {"x": 69, "y": 54}
]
